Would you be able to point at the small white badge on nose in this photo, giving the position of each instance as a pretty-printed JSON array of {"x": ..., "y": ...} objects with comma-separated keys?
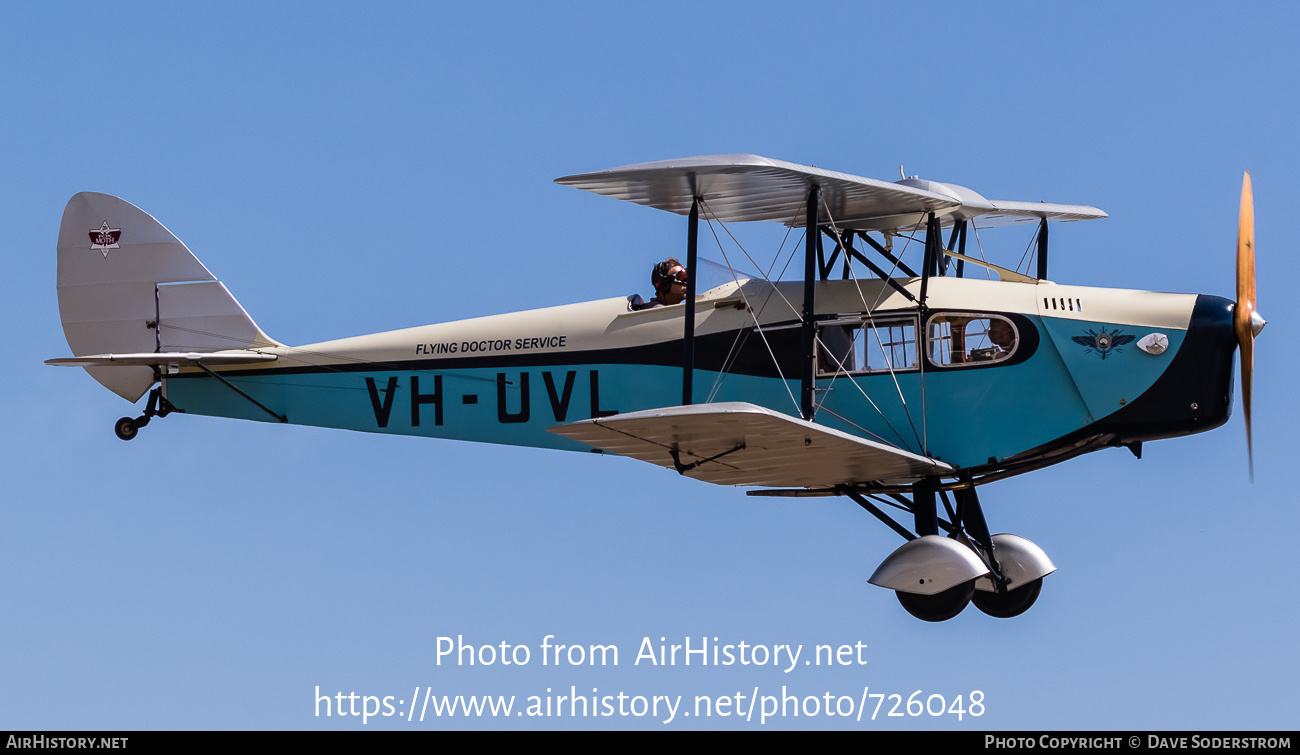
[{"x": 1154, "y": 343}]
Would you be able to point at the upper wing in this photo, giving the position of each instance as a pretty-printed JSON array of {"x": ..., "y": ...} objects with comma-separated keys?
[
  {"x": 742, "y": 444},
  {"x": 749, "y": 187},
  {"x": 1005, "y": 212}
]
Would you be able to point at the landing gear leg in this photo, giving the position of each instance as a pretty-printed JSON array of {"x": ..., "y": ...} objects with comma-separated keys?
[
  {"x": 947, "y": 603},
  {"x": 127, "y": 428},
  {"x": 1007, "y": 599},
  {"x": 923, "y": 507}
]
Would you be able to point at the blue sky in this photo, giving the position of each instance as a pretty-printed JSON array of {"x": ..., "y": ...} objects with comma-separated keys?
[{"x": 348, "y": 170}]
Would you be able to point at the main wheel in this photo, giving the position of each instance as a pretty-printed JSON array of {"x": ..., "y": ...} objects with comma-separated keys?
[
  {"x": 1004, "y": 605},
  {"x": 940, "y": 606},
  {"x": 126, "y": 428}
]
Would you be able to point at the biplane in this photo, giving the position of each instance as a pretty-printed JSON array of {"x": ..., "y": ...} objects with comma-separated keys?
[{"x": 901, "y": 382}]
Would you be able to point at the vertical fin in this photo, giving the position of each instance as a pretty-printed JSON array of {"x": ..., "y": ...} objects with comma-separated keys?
[{"x": 117, "y": 270}]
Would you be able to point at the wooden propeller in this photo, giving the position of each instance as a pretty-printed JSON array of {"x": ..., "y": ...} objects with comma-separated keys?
[{"x": 1245, "y": 320}]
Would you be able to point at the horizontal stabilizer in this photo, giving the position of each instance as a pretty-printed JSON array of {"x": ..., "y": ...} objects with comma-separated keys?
[
  {"x": 157, "y": 359},
  {"x": 737, "y": 443}
]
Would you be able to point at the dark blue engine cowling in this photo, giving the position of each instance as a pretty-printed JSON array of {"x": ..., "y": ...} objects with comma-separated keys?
[{"x": 1195, "y": 392}]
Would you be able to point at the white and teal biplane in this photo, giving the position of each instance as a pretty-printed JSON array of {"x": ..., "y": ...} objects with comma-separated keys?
[{"x": 897, "y": 384}]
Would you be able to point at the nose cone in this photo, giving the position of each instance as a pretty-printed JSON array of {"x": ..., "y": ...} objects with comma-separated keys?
[
  {"x": 1195, "y": 392},
  {"x": 1257, "y": 323}
]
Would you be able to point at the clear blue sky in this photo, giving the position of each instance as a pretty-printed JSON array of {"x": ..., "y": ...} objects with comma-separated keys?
[{"x": 348, "y": 170}]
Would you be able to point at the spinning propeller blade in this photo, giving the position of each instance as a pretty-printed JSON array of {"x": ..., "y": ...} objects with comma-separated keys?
[{"x": 1245, "y": 320}]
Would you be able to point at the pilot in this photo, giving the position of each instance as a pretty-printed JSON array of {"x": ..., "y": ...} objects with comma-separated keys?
[
  {"x": 669, "y": 280},
  {"x": 1002, "y": 334},
  {"x": 1003, "y": 337}
]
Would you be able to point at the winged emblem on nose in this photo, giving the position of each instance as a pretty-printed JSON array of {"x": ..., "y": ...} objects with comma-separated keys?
[{"x": 1103, "y": 343}]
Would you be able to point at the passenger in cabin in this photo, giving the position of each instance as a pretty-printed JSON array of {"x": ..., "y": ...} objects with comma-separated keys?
[{"x": 669, "y": 280}]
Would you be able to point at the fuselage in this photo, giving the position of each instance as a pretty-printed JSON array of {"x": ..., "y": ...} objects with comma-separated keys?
[{"x": 1078, "y": 363}]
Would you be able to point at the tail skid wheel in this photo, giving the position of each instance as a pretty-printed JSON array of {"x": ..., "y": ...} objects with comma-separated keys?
[
  {"x": 1011, "y": 603},
  {"x": 940, "y": 606},
  {"x": 126, "y": 428}
]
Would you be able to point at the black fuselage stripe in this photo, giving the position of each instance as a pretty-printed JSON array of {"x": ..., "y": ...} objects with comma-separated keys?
[{"x": 714, "y": 352}]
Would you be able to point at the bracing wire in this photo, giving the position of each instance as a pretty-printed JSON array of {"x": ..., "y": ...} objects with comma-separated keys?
[
  {"x": 749, "y": 309},
  {"x": 870, "y": 313},
  {"x": 976, "y": 231}
]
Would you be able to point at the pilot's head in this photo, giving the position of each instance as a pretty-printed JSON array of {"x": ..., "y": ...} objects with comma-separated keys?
[
  {"x": 1002, "y": 334},
  {"x": 669, "y": 280}
]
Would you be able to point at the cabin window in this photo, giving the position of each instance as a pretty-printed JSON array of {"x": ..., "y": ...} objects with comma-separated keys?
[
  {"x": 960, "y": 339},
  {"x": 863, "y": 346}
]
